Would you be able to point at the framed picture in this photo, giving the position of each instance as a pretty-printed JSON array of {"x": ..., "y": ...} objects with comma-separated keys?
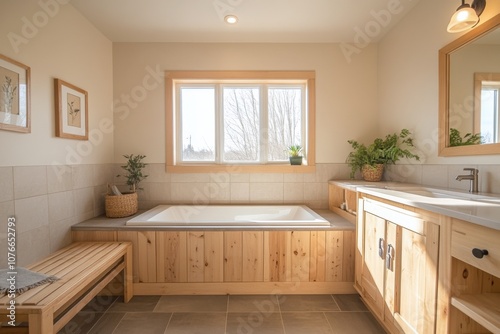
[
  {"x": 72, "y": 119},
  {"x": 14, "y": 95}
]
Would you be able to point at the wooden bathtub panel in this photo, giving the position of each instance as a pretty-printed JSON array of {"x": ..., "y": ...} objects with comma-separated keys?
[
  {"x": 279, "y": 243},
  {"x": 233, "y": 256},
  {"x": 317, "y": 269},
  {"x": 334, "y": 255},
  {"x": 301, "y": 248},
  {"x": 253, "y": 256},
  {"x": 213, "y": 257},
  {"x": 172, "y": 257},
  {"x": 196, "y": 256},
  {"x": 349, "y": 238},
  {"x": 144, "y": 254}
]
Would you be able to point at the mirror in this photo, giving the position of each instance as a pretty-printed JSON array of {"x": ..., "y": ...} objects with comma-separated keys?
[{"x": 469, "y": 83}]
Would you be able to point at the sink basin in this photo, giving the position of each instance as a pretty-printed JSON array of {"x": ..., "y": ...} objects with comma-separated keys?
[{"x": 441, "y": 193}]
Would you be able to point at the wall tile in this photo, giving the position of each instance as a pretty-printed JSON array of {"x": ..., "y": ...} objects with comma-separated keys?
[
  {"x": 294, "y": 192},
  {"x": 83, "y": 176},
  {"x": 99, "y": 199},
  {"x": 30, "y": 181},
  {"x": 489, "y": 178},
  {"x": 103, "y": 174},
  {"x": 435, "y": 175},
  {"x": 33, "y": 245},
  {"x": 220, "y": 192},
  {"x": 189, "y": 193},
  {"x": 190, "y": 178},
  {"x": 293, "y": 178},
  {"x": 266, "y": 177},
  {"x": 156, "y": 173},
  {"x": 32, "y": 213},
  {"x": 266, "y": 192},
  {"x": 84, "y": 201},
  {"x": 157, "y": 191},
  {"x": 403, "y": 173},
  {"x": 6, "y": 184},
  {"x": 6, "y": 211},
  {"x": 315, "y": 191},
  {"x": 240, "y": 178},
  {"x": 61, "y": 206},
  {"x": 60, "y": 234},
  {"x": 59, "y": 178},
  {"x": 240, "y": 192}
]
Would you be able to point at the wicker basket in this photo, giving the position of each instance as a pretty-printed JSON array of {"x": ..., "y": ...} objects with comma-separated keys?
[
  {"x": 371, "y": 173},
  {"x": 121, "y": 206}
]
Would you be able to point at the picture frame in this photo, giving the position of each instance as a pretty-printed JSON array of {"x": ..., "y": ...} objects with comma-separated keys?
[
  {"x": 15, "y": 114},
  {"x": 71, "y": 106}
]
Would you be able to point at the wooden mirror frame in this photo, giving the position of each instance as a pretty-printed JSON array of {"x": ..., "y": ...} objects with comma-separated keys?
[{"x": 444, "y": 92}]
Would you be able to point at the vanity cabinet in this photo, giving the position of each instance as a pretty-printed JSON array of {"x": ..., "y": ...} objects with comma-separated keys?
[
  {"x": 475, "y": 294},
  {"x": 397, "y": 274}
]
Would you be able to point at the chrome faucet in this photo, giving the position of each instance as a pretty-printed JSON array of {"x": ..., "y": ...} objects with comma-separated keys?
[{"x": 473, "y": 177}]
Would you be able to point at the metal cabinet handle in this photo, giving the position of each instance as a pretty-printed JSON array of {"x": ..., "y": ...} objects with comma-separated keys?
[
  {"x": 479, "y": 253},
  {"x": 389, "y": 256},
  {"x": 381, "y": 248}
]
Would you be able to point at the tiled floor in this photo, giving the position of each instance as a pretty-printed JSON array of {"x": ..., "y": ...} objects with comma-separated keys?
[{"x": 287, "y": 314}]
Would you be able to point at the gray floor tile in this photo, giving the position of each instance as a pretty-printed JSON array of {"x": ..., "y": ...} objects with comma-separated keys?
[
  {"x": 107, "y": 323},
  {"x": 305, "y": 323},
  {"x": 136, "y": 304},
  {"x": 350, "y": 303},
  {"x": 353, "y": 323},
  {"x": 255, "y": 323},
  {"x": 251, "y": 303},
  {"x": 147, "y": 322},
  {"x": 187, "y": 304},
  {"x": 197, "y": 323},
  {"x": 81, "y": 323},
  {"x": 304, "y": 303},
  {"x": 100, "y": 303}
]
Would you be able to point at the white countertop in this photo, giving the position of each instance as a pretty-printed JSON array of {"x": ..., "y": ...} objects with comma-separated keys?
[{"x": 482, "y": 208}]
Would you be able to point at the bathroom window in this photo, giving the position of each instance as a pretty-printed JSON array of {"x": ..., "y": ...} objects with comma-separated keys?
[{"x": 217, "y": 120}]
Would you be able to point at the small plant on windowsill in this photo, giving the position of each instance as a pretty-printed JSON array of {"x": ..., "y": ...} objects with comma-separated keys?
[
  {"x": 371, "y": 159},
  {"x": 123, "y": 205},
  {"x": 294, "y": 153}
]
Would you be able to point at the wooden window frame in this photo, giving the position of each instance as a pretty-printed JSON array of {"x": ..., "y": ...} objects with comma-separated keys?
[{"x": 172, "y": 76}]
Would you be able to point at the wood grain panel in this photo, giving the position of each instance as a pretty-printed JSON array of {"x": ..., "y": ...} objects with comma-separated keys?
[
  {"x": 233, "y": 256},
  {"x": 172, "y": 256},
  {"x": 300, "y": 243},
  {"x": 317, "y": 267},
  {"x": 213, "y": 257},
  {"x": 93, "y": 236},
  {"x": 196, "y": 256},
  {"x": 144, "y": 253},
  {"x": 334, "y": 255},
  {"x": 253, "y": 256},
  {"x": 279, "y": 256}
]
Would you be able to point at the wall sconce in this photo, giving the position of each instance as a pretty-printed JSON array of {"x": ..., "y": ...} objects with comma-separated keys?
[{"x": 466, "y": 16}]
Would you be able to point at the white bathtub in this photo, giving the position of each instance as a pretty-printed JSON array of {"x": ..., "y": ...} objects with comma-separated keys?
[{"x": 227, "y": 216}]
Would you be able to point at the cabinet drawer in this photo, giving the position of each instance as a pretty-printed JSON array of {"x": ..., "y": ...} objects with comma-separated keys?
[{"x": 467, "y": 236}]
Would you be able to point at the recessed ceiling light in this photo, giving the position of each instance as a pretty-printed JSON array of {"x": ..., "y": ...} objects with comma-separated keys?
[{"x": 231, "y": 19}]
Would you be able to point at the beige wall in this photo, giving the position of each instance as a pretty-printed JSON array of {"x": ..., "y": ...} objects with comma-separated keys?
[
  {"x": 60, "y": 44},
  {"x": 47, "y": 201},
  {"x": 408, "y": 76},
  {"x": 346, "y": 94}
]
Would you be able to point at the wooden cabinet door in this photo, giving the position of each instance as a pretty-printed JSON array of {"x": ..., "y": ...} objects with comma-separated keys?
[
  {"x": 415, "y": 282},
  {"x": 372, "y": 272}
]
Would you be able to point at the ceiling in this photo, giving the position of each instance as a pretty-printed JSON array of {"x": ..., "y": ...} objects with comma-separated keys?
[{"x": 285, "y": 21}]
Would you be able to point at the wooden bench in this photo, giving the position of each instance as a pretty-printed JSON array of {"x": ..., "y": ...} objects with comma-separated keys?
[{"x": 84, "y": 269}]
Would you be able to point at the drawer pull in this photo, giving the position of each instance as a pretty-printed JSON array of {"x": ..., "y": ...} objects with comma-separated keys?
[{"x": 479, "y": 253}]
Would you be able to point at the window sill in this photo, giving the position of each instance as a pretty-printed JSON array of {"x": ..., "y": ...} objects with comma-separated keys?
[{"x": 233, "y": 169}]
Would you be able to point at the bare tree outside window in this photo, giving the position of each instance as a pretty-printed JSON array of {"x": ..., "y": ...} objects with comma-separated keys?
[
  {"x": 241, "y": 124},
  {"x": 285, "y": 120}
]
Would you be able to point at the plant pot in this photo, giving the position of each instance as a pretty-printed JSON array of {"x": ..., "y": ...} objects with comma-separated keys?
[
  {"x": 121, "y": 205},
  {"x": 372, "y": 173},
  {"x": 295, "y": 160}
]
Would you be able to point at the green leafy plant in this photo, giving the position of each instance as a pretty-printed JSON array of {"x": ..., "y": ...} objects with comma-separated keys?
[
  {"x": 294, "y": 150},
  {"x": 382, "y": 151},
  {"x": 456, "y": 138},
  {"x": 134, "y": 169}
]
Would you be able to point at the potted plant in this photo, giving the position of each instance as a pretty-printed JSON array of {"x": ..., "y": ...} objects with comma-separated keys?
[
  {"x": 294, "y": 152},
  {"x": 456, "y": 138},
  {"x": 371, "y": 159},
  {"x": 123, "y": 205}
]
